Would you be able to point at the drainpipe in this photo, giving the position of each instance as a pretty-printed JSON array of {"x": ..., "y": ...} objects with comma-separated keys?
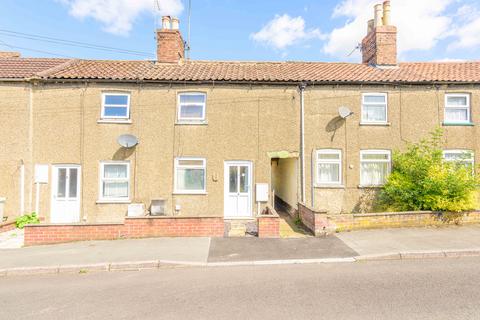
[
  {"x": 302, "y": 87},
  {"x": 22, "y": 187}
]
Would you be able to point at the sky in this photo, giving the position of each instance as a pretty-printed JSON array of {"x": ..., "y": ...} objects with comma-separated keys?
[{"x": 240, "y": 30}]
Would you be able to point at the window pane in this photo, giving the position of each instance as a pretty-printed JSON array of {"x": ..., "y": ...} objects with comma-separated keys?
[
  {"x": 72, "y": 184},
  {"x": 374, "y": 173},
  {"x": 328, "y": 156},
  {"x": 457, "y": 101},
  {"x": 191, "y": 111},
  {"x": 116, "y": 99},
  {"x": 115, "y": 112},
  {"x": 188, "y": 162},
  {"x": 375, "y": 156},
  {"x": 374, "y": 113},
  {"x": 115, "y": 189},
  {"x": 453, "y": 114},
  {"x": 190, "y": 179},
  {"x": 62, "y": 183},
  {"x": 328, "y": 172},
  {"x": 233, "y": 179},
  {"x": 115, "y": 171},
  {"x": 243, "y": 179},
  {"x": 374, "y": 99},
  {"x": 192, "y": 98}
]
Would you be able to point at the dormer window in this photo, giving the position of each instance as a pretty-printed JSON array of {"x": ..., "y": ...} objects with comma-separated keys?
[{"x": 116, "y": 106}]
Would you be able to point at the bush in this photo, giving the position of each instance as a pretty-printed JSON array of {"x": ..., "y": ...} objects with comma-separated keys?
[
  {"x": 21, "y": 221},
  {"x": 422, "y": 180}
]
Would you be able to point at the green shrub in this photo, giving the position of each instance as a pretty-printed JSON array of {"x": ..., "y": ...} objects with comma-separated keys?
[
  {"x": 21, "y": 221},
  {"x": 422, "y": 180}
]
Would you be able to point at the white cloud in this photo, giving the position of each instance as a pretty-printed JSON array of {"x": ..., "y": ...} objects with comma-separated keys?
[
  {"x": 421, "y": 24},
  {"x": 118, "y": 16},
  {"x": 468, "y": 33},
  {"x": 284, "y": 31}
]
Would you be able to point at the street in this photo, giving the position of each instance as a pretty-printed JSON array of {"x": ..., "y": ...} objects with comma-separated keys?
[{"x": 408, "y": 289}]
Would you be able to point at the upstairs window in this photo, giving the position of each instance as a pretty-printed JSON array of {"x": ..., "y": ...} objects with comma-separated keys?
[
  {"x": 116, "y": 106},
  {"x": 329, "y": 167},
  {"x": 374, "y": 108},
  {"x": 461, "y": 157},
  {"x": 114, "y": 181},
  {"x": 375, "y": 166},
  {"x": 457, "y": 108},
  {"x": 191, "y": 107},
  {"x": 190, "y": 175}
]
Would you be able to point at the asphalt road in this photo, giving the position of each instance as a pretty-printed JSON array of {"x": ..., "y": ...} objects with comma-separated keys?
[{"x": 422, "y": 289}]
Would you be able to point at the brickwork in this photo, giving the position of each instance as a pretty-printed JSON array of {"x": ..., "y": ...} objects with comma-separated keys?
[
  {"x": 269, "y": 226},
  {"x": 170, "y": 46},
  {"x": 379, "y": 47},
  {"x": 315, "y": 221},
  {"x": 7, "y": 226},
  {"x": 132, "y": 228}
]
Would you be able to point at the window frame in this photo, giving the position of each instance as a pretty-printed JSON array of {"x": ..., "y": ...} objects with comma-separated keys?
[
  {"x": 461, "y": 151},
  {"x": 176, "y": 166},
  {"x": 366, "y": 94},
  {"x": 113, "y": 118},
  {"x": 181, "y": 119},
  {"x": 102, "y": 179},
  {"x": 468, "y": 107},
  {"x": 338, "y": 152},
  {"x": 375, "y": 151}
]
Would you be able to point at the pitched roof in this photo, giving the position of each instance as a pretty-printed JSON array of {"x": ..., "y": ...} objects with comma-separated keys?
[{"x": 316, "y": 72}]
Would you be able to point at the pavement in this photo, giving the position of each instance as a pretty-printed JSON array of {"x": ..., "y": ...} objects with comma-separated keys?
[
  {"x": 12, "y": 239},
  {"x": 136, "y": 254},
  {"x": 408, "y": 289}
]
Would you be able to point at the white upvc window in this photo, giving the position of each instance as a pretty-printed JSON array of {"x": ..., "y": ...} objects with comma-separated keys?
[
  {"x": 462, "y": 157},
  {"x": 329, "y": 167},
  {"x": 374, "y": 108},
  {"x": 375, "y": 166},
  {"x": 191, "y": 107},
  {"x": 114, "y": 181},
  {"x": 115, "y": 105},
  {"x": 190, "y": 175},
  {"x": 457, "y": 108}
]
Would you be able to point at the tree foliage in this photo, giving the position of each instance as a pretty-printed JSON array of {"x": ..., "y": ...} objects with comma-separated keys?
[{"x": 422, "y": 180}]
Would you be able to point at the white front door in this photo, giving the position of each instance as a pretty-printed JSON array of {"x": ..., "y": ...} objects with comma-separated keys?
[
  {"x": 65, "y": 207},
  {"x": 238, "y": 189}
]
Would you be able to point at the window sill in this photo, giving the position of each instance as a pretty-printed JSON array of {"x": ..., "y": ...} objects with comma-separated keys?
[
  {"x": 105, "y": 201},
  {"x": 118, "y": 121},
  {"x": 330, "y": 186},
  {"x": 370, "y": 187},
  {"x": 191, "y": 123},
  {"x": 189, "y": 193},
  {"x": 458, "y": 124},
  {"x": 376, "y": 124}
]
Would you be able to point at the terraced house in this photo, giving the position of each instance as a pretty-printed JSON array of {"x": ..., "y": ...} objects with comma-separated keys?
[{"x": 91, "y": 141}]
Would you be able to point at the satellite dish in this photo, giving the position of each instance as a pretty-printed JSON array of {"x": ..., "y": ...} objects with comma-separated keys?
[
  {"x": 127, "y": 140},
  {"x": 344, "y": 112}
]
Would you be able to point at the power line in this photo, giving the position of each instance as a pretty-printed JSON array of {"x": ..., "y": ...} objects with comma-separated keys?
[
  {"x": 72, "y": 43},
  {"x": 35, "y": 50}
]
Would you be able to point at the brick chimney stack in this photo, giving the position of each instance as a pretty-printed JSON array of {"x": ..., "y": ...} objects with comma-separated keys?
[
  {"x": 379, "y": 47},
  {"x": 170, "y": 45}
]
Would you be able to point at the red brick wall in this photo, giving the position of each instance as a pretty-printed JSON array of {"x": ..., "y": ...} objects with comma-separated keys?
[
  {"x": 316, "y": 222},
  {"x": 132, "y": 228},
  {"x": 269, "y": 226},
  {"x": 7, "y": 226},
  {"x": 379, "y": 47},
  {"x": 170, "y": 46}
]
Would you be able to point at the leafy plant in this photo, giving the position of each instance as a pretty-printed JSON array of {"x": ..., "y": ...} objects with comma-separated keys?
[
  {"x": 21, "y": 221},
  {"x": 422, "y": 180}
]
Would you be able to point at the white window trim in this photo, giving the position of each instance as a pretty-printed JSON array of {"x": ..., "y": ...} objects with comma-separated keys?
[
  {"x": 375, "y": 151},
  {"x": 187, "y": 120},
  {"x": 119, "y": 119},
  {"x": 177, "y": 165},
  {"x": 340, "y": 167},
  {"x": 367, "y": 122},
  {"x": 468, "y": 107},
  {"x": 460, "y": 151},
  {"x": 101, "y": 198}
]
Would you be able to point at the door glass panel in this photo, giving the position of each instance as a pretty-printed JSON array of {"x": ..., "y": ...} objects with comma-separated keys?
[
  {"x": 243, "y": 179},
  {"x": 233, "y": 185},
  {"x": 62, "y": 182},
  {"x": 72, "y": 183}
]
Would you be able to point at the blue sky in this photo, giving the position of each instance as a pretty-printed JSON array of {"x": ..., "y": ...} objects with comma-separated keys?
[{"x": 311, "y": 30}]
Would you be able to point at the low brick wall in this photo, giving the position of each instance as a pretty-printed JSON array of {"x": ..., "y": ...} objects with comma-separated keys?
[
  {"x": 7, "y": 226},
  {"x": 269, "y": 224},
  {"x": 321, "y": 223},
  {"x": 138, "y": 227}
]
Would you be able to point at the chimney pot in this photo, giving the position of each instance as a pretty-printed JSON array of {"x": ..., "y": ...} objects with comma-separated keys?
[
  {"x": 386, "y": 13},
  {"x": 378, "y": 15},
  {"x": 175, "y": 23},
  {"x": 166, "y": 23}
]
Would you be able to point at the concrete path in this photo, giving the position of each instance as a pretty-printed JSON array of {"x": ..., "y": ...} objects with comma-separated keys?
[
  {"x": 12, "y": 239},
  {"x": 386, "y": 241}
]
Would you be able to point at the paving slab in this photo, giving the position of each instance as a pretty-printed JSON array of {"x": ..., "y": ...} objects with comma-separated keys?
[
  {"x": 92, "y": 252},
  {"x": 376, "y": 242},
  {"x": 12, "y": 239},
  {"x": 258, "y": 249}
]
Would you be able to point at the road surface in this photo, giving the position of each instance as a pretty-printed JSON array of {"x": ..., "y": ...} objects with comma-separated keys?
[{"x": 420, "y": 289}]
